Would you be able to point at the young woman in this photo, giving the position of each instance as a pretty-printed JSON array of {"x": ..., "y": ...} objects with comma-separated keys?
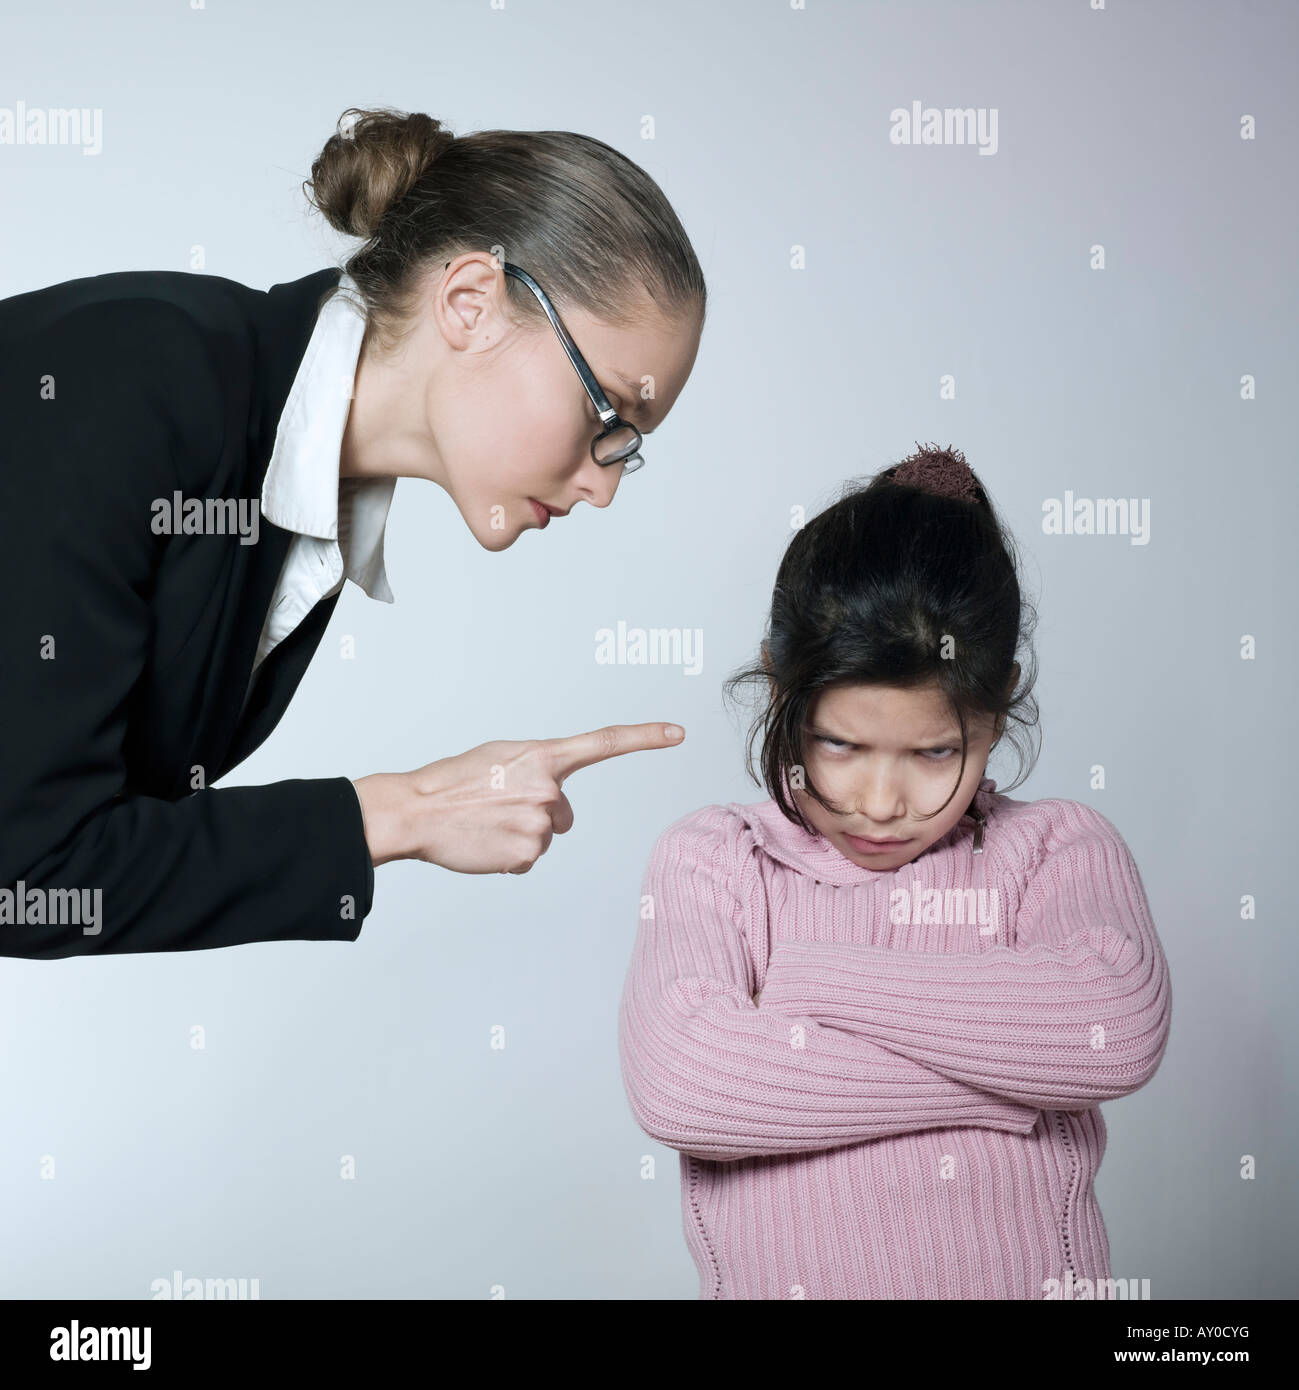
[
  {"x": 878, "y": 1012},
  {"x": 190, "y": 468}
]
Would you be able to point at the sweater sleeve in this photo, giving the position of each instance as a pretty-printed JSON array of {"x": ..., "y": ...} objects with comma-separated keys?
[
  {"x": 1075, "y": 1012},
  {"x": 711, "y": 1074},
  {"x": 88, "y": 864}
]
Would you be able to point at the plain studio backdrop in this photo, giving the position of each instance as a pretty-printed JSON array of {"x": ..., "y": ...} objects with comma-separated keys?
[{"x": 864, "y": 295}]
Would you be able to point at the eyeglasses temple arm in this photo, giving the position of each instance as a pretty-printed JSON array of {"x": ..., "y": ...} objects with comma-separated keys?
[{"x": 598, "y": 398}]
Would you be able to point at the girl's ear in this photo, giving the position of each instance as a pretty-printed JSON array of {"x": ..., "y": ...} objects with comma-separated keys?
[{"x": 1010, "y": 690}]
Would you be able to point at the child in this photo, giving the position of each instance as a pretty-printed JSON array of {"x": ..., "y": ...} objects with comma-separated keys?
[{"x": 883, "y": 1064}]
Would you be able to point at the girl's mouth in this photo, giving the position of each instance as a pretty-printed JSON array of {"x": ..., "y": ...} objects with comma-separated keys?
[{"x": 874, "y": 846}]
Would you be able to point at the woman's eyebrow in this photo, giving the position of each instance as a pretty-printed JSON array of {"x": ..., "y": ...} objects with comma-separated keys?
[{"x": 640, "y": 407}]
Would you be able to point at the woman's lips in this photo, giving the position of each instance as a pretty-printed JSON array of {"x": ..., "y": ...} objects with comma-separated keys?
[
  {"x": 874, "y": 846},
  {"x": 542, "y": 515}
]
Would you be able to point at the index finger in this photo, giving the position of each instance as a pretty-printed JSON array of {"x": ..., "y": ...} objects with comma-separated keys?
[{"x": 566, "y": 755}]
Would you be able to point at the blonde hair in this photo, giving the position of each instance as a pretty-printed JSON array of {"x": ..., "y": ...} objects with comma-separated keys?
[{"x": 591, "y": 226}]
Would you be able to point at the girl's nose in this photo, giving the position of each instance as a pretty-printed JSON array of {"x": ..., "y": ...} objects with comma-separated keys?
[{"x": 880, "y": 802}]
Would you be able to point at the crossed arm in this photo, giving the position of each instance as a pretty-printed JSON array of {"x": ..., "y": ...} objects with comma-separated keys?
[
  {"x": 852, "y": 1043},
  {"x": 709, "y": 1073}
]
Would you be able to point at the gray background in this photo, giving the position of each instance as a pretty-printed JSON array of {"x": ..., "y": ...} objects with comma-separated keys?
[{"x": 521, "y": 1169}]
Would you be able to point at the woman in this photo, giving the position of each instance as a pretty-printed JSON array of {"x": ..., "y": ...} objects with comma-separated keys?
[{"x": 158, "y": 618}]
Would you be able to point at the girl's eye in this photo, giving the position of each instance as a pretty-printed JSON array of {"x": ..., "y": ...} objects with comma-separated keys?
[{"x": 931, "y": 755}]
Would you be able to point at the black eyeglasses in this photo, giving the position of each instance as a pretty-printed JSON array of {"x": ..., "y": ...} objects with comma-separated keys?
[{"x": 617, "y": 442}]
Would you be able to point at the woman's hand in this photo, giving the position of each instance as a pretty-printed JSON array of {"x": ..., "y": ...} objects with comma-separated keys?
[{"x": 495, "y": 808}]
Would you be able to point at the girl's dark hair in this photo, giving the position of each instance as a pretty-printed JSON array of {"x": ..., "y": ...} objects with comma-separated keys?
[
  {"x": 897, "y": 585},
  {"x": 591, "y": 226}
]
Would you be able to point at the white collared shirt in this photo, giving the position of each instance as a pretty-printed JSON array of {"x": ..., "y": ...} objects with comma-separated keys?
[{"x": 339, "y": 522}]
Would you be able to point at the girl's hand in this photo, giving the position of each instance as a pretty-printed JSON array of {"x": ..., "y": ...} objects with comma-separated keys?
[{"x": 495, "y": 808}]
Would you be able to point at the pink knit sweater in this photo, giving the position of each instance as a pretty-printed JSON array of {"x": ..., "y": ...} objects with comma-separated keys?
[{"x": 912, "y": 1108}]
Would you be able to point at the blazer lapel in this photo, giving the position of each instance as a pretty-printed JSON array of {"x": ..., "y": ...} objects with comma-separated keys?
[
  {"x": 283, "y": 330},
  {"x": 276, "y": 680}
]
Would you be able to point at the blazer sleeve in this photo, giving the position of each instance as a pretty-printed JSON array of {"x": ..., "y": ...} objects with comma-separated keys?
[
  {"x": 710, "y": 1073},
  {"x": 1075, "y": 1012},
  {"x": 87, "y": 865}
]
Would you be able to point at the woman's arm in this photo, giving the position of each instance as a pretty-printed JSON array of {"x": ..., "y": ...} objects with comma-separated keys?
[
  {"x": 1076, "y": 1012},
  {"x": 709, "y": 1073},
  {"x": 100, "y": 409}
]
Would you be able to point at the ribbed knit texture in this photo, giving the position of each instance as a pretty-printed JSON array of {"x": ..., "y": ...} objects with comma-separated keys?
[{"x": 911, "y": 1109}]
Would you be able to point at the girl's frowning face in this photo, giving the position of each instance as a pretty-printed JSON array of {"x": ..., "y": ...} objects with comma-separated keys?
[{"x": 886, "y": 757}]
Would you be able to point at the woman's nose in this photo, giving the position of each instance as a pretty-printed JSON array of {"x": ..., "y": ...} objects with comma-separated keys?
[{"x": 598, "y": 484}]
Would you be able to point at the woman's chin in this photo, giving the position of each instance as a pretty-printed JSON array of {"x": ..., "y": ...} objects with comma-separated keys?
[{"x": 496, "y": 537}]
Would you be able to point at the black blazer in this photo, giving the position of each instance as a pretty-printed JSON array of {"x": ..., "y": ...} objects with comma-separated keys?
[{"x": 125, "y": 654}]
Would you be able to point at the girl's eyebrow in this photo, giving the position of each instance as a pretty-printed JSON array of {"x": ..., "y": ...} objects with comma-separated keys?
[{"x": 820, "y": 731}]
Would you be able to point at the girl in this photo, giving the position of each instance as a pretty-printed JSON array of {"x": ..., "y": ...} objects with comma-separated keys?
[
  {"x": 878, "y": 1013},
  {"x": 190, "y": 469}
]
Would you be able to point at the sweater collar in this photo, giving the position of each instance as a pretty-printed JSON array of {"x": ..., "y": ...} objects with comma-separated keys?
[{"x": 816, "y": 856}]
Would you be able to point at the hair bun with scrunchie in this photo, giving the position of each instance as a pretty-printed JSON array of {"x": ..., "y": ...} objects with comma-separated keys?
[{"x": 942, "y": 472}]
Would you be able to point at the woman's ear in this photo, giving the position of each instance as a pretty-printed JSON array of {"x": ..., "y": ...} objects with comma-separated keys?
[{"x": 468, "y": 302}]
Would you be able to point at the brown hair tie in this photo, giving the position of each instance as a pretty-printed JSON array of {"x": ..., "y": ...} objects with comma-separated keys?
[{"x": 943, "y": 472}]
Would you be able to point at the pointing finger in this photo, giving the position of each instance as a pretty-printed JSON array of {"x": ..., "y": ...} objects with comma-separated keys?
[{"x": 567, "y": 755}]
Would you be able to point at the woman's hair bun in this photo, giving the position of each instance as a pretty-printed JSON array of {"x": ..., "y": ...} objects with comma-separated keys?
[
  {"x": 943, "y": 472},
  {"x": 376, "y": 158}
]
